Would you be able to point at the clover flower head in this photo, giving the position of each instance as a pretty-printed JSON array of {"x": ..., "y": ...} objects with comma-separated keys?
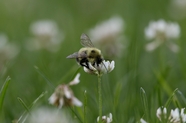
[
  {"x": 46, "y": 36},
  {"x": 44, "y": 28},
  {"x": 48, "y": 115},
  {"x": 176, "y": 116},
  {"x": 161, "y": 111},
  {"x": 162, "y": 32},
  {"x": 64, "y": 96},
  {"x": 106, "y": 119},
  {"x": 103, "y": 68},
  {"x": 111, "y": 27},
  {"x": 8, "y": 50},
  {"x": 107, "y": 35}
]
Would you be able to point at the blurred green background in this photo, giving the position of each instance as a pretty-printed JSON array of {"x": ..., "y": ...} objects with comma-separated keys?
[{"x": 159, "y": 72}]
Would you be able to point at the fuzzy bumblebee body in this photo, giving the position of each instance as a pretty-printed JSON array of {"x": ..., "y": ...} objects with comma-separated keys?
[{"x": 87, "y": 54}]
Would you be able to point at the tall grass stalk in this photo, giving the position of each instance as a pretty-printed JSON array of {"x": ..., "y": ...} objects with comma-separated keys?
[{"x": 145, "y": 103}]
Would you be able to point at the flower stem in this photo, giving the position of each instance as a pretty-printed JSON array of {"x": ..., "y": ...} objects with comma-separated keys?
[
  {"x": 85, "y": 105},
  {"x": 100, "y": 98}
]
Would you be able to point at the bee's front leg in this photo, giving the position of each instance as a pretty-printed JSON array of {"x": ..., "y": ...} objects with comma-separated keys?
[{"x": 84, "y": 63}]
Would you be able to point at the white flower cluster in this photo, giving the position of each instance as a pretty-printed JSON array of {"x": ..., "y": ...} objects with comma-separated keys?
[
  {"x": 46, "y": 36},
  {"x": 175, "y": 116},
  {"x": 103, "y": 68},
  {"x": 107, "y": 35},
  {"x": 8, "y": 51},
  {"x": 64, "y": 96},
  {"x": 162, "y": 32},
  {"x": 106, "y": 119},
  {"x": 48, "y": 115}
]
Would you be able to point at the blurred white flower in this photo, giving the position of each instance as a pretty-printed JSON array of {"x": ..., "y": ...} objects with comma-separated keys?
[
  {"x": 103, "y": 68},
  {"x": 75, "y": 80},
  {"x": 162, "y": 32},
  {"x": 106, "y": 119},
  {"x": 8, "y": 50},
  {"x": 159, "y": 113},
  {"x": 48, "y": 115},
  {"x": 176, "y": 116},
  {"x": 177, "y": 9},
  {"x": 64, "y": 96},
  {"x": 142, "y": 120},
  {"x": 46, "y": 36},
  {"x": 107, "y": 35},
  {"x": 183, "y": 115}
]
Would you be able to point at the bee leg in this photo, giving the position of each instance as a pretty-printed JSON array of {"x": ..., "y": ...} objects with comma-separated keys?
[{"x": 84, "y": 63}]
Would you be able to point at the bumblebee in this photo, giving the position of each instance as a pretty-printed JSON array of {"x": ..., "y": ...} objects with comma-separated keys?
[{"x": 87, "y": 54}]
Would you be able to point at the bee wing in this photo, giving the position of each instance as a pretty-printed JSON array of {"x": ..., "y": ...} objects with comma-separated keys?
[
  {"x": 85, "y": 41},
  {"x": 77, "y": 55},
  {"x": 73, "y": 56}
]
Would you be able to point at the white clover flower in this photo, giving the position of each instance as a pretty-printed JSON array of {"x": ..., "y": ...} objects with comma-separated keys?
[
  {"x": 46, "y": 36},
  {"x": 8, "y": 51},
  {"x": 162, "y": 32},
  {"x": 103, "y": 68},
  {"x": 106, "y": 119},
  {"x": 143, "y": 121},
  {"x": 64, "y": 96},
  {"x": 159, "y": 113},
  {"x": 183, "y": 115},
  {"x": 48, "y": 115},
  {"x": 108, "y": 34},
  {"x": 175, "y": 115}
]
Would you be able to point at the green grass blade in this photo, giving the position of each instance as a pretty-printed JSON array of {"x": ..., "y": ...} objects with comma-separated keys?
[
  {"x": 69, "y": 74},
  {"x": 3, "y": 92},
  {"x": 28, "y": 108},
  {"x": 182, "y": 96},
  {"x": 46, "y": 79},
  {"x": 117, "y": 93},
  {"x": 38, "y": 98},
  {"x": 145, "y": 103},
  {"x": 170, "y": 98},
  {"x": 76, "y": 115},
  {"x": 23, "y": 104},
  {"x": 162, "y": 81}
]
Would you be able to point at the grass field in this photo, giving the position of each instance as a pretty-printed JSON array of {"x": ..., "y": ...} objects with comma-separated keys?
[{"x": 149, "y": 72}]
